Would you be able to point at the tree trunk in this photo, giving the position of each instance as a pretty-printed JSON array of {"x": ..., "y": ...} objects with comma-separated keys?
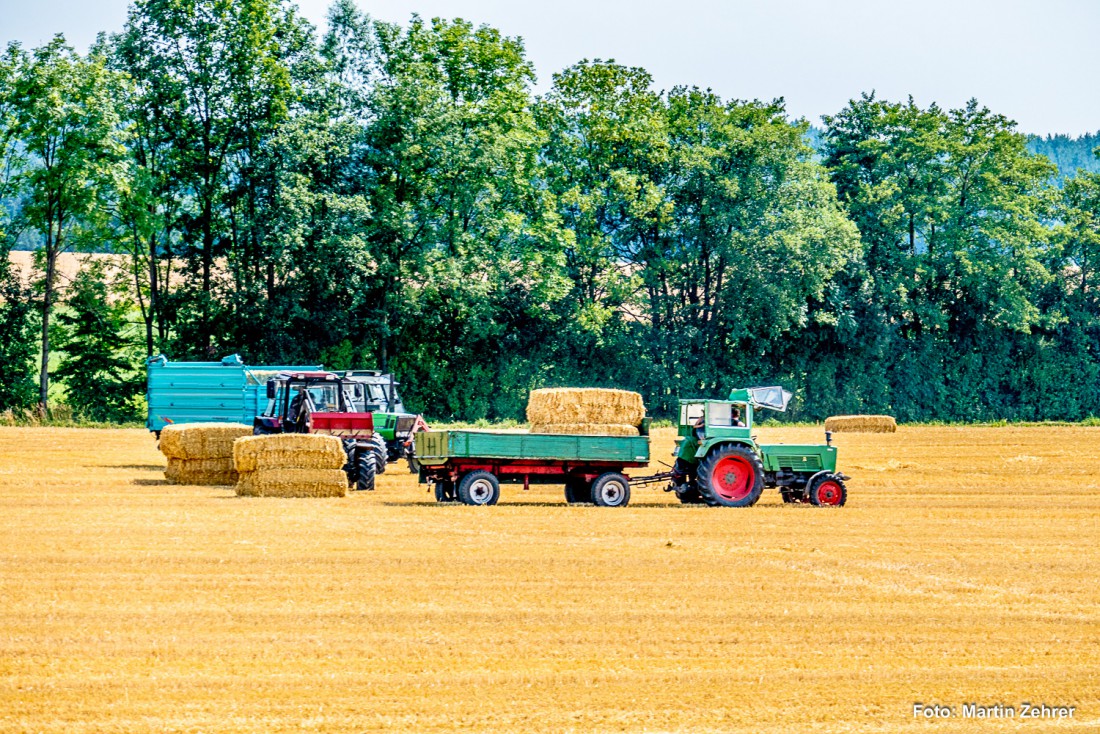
[
  {"x": 207, "y": 266},
  {"x": 47, "y": 305}
]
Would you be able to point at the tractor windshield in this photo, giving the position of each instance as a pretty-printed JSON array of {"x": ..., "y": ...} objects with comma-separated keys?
[{"x": 326, "y": 398}]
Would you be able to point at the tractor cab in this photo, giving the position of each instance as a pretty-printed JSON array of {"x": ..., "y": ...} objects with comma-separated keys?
[
  {"x": 731, "y": 418},
  {"x": 375, "y": 392},
  {"x": 313, "y": 402}
]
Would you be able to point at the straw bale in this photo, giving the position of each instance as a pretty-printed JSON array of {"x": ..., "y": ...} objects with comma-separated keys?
[
  {"x": 573, "y": 405},
  {"x": 205, "y": 472},
  {"x": 290, "y": 451},
  {"x": 585, "y": 429},
  {"x": 861, "y": 424},
  {"x": 201, "y": 440},
  {"x": 280, "y": 482}
]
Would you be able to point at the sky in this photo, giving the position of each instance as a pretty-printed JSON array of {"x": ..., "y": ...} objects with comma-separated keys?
[{"x": 1037, "y": 63}]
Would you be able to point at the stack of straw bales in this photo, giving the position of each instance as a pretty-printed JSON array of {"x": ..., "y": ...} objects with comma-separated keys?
[
  {"x": 586, "y": 411},
  {"x": 201, "y": 453},
  {"x": 291, "y": 465},
  {"x": 861, "y": 424}
]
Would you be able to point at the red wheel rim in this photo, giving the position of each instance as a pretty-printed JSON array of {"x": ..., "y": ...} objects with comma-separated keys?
[
  {"x": 733, "y": 478},
  {"x": 829, "y": 493}
]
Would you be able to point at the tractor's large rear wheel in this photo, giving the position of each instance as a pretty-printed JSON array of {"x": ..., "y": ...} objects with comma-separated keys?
[
  {"x": 364, "y": 465},
  {"x": 380, "y": 453},
  {"x": 827, "y": 490},
  {"x": 479, "y": 488},
  {"x": 731, "y": 476}
]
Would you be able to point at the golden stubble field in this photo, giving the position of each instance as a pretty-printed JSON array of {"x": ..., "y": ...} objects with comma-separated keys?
[{"x": 964, "y": 569}]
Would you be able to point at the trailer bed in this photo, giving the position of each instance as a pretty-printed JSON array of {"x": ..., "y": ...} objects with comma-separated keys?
[{"x": 434, "y": 448}]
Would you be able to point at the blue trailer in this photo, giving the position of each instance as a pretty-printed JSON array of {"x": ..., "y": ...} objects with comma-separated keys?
[{"x": 191, "y": 392}]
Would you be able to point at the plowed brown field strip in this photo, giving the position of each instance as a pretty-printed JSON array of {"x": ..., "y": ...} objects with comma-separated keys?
[{"x": 964, "y": 569}]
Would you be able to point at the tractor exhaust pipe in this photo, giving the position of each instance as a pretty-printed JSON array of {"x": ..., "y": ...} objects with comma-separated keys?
[{"x": 828, "y": 438}]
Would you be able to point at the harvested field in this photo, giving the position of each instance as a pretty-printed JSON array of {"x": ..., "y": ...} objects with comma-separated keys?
[{"x": 962, "y": 570}]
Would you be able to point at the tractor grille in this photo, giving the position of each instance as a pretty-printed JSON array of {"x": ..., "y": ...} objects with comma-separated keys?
[{"x": 799, "y": 463}]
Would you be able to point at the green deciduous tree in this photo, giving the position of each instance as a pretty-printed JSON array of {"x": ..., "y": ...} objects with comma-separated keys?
[
  {"x": 97, "y": 368},
  {"x": 71, "y": 135}
]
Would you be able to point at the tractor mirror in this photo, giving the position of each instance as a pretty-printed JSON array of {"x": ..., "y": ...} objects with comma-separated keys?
[{"x": 271, "y": 389}]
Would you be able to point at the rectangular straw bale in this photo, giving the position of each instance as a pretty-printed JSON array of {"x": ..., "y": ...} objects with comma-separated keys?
[
  {"x": 573, "y": 405},
  {"x": 585, "y": 429},
  {"x": 204, "y": 472},
  {"x": 290, "y": 451},
  {"x": 293, "y": 483},
  {"x": 861, "y": 424},
  {"x": 201, "y": 440}
]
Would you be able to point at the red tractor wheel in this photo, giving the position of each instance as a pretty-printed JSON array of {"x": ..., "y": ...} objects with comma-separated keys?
[
  {"x": 731, "y": 476},
  {"x": 827, "y": 491}
]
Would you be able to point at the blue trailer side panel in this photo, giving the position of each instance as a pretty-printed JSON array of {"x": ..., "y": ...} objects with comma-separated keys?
[{"x": 191, "y": 392}]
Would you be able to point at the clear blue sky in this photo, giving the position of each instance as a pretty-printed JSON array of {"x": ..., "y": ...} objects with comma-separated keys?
[{"x": 1035, "y": 62}]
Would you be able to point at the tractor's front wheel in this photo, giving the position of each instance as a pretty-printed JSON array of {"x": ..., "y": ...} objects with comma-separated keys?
[
  {"x": 731, "y": 476},
  {"x": 364, "y": 466},
  {"x": 479, "y": 488},
  {"x": 827, "y": 490}
]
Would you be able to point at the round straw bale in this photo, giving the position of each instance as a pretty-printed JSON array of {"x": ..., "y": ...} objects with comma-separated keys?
[
  {"x": 861, "y": 424},
  {"x": 205, "y": 472},
  {"x": 289, "y": 450},
  {"x": 572, "y": 405},
  {"x": 585, "y": 429},
  {"x": 293, "y": 483},
  {"x": 201, "y": 440}
]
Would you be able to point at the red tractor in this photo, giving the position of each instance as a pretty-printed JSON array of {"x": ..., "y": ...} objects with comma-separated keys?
[{"x": 324, "y": 402}]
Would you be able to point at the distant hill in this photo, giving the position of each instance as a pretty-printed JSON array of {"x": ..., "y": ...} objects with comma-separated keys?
[
  {"x": 1066, "y": 152},
  {"x": 1069, "y": 154}
]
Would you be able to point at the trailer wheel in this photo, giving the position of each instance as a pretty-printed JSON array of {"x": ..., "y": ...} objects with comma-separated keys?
[
  {"x": 364, "y": 477},
  {"x": 828, "y": 491},
  {"x": 611, "y": 490},
  {"x": 731, "y": 476},
  {"x": 445, "y": 491},
  {"x": 479, "y": 488},
  {"x": 577, "y": 491},
  {"x": 378, "y": 445}
]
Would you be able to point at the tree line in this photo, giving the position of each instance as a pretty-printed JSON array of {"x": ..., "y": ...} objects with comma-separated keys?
[{"x": 396, "y": 196}]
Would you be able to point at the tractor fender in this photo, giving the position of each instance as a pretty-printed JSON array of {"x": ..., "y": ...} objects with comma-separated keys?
[{"x": 709, "y": 444}]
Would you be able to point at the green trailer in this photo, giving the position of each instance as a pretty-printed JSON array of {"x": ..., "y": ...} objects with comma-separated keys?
[{"x": 469, "y": 465}]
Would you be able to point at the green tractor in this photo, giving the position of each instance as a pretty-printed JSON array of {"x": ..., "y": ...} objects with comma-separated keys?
[
  {"x": 376, "y": 393},
  {"x": 719, "y": 462}
]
